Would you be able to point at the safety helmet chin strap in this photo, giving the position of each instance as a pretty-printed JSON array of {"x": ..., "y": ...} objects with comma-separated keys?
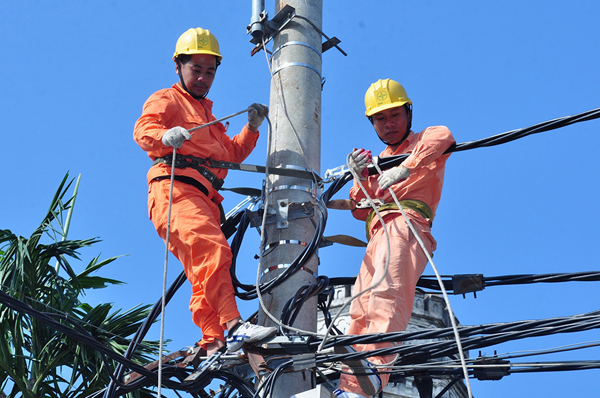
[
  {"x": 408, "y": 127},
  {"x": 179, "y": 73}
]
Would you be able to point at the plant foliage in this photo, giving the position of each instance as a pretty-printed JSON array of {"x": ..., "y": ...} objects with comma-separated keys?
[{"x": 37, "y": 360}]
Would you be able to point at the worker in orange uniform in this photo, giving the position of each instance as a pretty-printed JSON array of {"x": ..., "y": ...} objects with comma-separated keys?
[
  {"x": 417, "y": 183},
  {"x": 196, "y": 238}
]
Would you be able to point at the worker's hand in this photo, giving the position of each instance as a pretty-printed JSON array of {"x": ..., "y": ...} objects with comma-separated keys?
[
  {"x": 257, "y": 114},
  {"x": 359, "y": 159},
  {"x": 390, "y": 177},
  {"x": 174, "y": 137}
]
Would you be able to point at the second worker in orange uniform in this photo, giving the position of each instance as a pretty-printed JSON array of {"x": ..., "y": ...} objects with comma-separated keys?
[{"x": 417, "y": 182}]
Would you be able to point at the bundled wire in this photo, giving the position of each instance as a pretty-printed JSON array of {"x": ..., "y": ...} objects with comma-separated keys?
[
  {"x": 268, "y": 386},
  {"x": 428, "y": 282},
  {"x": 324, "y": 305},
  {"x": 472, "y": 337},
  {"x": 391, "y": 161},
  {"x": 71, "y": 332},
  {"x": 293, "y": 306},
  {"x": 249, "y": 291},
  {"x": 427, "y": 351}
]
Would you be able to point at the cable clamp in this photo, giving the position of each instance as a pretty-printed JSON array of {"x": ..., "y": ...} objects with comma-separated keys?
[
  {"x": 295, "y": 211},
  {"x": 264, "y": 30},
  {"x": 335, "y": 173},
  {"x": 468, "y": 283},
  {"x": 304, "y": 362},
  {"x": 366, "y": 204},
  {"x": 490, "y": 368}
]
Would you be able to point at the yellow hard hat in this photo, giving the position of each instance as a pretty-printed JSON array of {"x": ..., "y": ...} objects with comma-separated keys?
[
  {"x": 197, "y": 41},
  {"x": 385, "y": 94}
]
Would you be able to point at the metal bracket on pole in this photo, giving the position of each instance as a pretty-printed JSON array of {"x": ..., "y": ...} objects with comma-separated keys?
[
  {"x": 282, "y": 214},
  {"x": 304, "y": 362},
  {"x": 284, "y": 266},
  {"x": 276, "y": 25},
  {"x": 311, "y": 190},
  {"x": 290, "y": 344},
  {"x": 294, "y": 212},
  {"x": 272, "y": 27}
]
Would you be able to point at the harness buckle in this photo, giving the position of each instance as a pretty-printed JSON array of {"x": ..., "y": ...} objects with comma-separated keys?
[{"x": 365, "y": 204}]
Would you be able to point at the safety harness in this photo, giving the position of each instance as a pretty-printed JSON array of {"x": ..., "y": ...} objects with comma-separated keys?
[
  {"x": 420, "y": 207},
  {"x": 183, "y": 161},
  {"x": 201, "y": 165}
]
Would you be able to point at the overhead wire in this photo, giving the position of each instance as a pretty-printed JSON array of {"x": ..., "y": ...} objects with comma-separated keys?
[
  {"x": 384, "y": 164},
  {"x": 341, "y": 181},
  {"x": 503, "y": 138},
  {"x": 472, "y": 337},
  {"x": 411, "y": 355},
  {"x": 164, "y": 284}
]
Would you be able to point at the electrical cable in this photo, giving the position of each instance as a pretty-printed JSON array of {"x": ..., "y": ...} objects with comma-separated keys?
[
  {"x": 293, "y": 306},
  {"x": 311, "y": 248},
  {"x": 503, "y": 138},
  {"x": 496, "y": 140},
  {"x": 472, "y": 337},
  {"x": 21, "y": 307}
]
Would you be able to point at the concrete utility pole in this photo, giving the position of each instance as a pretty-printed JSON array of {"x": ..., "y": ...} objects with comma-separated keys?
[{"x": 295, "y": 112}]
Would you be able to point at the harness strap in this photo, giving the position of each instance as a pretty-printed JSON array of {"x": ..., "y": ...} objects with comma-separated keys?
[
  {"x": 420, "y": 207},
  {"x": 197, "y": 163},
  {"x": 197, "y": 184},
  {"x": 183, "y": 161}
]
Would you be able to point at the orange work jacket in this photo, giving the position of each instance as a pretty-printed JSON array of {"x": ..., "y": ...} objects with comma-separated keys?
[
  {"x": 172, "y": 107},
  {"x": 426, "y": 163}
]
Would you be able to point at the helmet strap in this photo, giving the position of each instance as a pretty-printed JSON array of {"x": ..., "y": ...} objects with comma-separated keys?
[
  {"x": 180, "y": 74},
  {"x": 408, "y": 126}
]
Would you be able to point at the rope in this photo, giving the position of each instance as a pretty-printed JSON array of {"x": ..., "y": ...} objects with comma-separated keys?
[
  {"x": 387, "y": 261},
  {"x": 164, "y": 286},
  {"x": 443, "y": 289}
]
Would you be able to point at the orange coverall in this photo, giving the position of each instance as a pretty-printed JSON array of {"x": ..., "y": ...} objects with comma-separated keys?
[
  {"x": 196, "y": 238},
  {"x": 388, "y": 306}
]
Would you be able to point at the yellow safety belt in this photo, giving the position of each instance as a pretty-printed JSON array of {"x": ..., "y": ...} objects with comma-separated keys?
[{"x": 420, "y": 207}]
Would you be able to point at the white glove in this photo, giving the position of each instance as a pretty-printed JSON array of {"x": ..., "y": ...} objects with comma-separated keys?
[
  {"x": 174, "y": 137},
  {"x": 359, "y": 159},
  {"x": 392, "y": 176},
  {"x": 257, "y": 114}
]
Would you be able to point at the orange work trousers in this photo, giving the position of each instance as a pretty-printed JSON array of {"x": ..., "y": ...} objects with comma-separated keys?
[
  {"x": 197, "y": 241},
  {"x": 387, "y": 307}
]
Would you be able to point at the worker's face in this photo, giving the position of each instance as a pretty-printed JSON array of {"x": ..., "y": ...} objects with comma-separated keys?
[
  {"x": 198, "y": 73},
  {"x": 391, "y": 124}
]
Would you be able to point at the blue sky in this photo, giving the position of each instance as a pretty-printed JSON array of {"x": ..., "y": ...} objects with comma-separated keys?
[{"x": 76, "y": 74}]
